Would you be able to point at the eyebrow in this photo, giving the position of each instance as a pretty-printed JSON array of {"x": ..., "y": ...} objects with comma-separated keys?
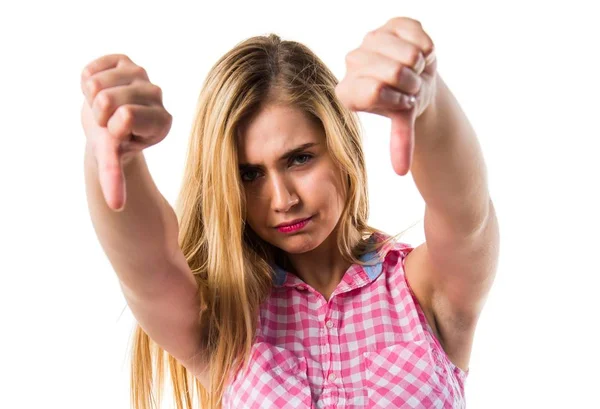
[{"x": 285, "y": 156}]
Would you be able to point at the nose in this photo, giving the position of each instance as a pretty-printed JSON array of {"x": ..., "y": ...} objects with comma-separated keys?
[{"x": 283, "y": 198}]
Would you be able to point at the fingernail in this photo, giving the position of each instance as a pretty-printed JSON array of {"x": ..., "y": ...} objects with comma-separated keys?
[
  {"x": 430, "y": 57},
  {"x": 391, "y": 96},
  {"x": 420, "y": 65}
]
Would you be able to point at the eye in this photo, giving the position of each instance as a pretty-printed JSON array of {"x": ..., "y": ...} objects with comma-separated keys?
[
  {"x": 249, "y": 175},
  {"x": 302, "y": 158}
]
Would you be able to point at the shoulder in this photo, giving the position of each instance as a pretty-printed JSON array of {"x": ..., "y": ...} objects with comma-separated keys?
[{"x": 392, "y": 252}]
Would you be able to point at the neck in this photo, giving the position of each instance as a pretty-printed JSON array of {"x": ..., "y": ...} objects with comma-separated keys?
[{"x": 322, "y": 268}]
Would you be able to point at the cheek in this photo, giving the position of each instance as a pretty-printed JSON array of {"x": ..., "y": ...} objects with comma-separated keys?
[
  {"x": 337, "y": 194},
  {"x": 255, "y": 209},
  {"x": 323, "y": 187}
]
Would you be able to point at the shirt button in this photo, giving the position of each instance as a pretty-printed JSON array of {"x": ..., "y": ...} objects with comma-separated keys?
[
  {"x": 331, "y": 377},
  {"x": 329, "y": 324},
  {"x": 300, "y": 287}
]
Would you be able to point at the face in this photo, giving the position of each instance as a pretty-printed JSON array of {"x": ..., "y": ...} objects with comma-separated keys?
[{"x": 288, "y": 175}]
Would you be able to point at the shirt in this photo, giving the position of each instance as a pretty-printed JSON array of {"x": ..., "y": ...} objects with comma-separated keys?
[{"x": 368, "y": 346}]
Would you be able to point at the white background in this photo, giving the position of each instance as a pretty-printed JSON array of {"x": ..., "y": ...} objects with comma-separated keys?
[{"x": 525, "y": 73}]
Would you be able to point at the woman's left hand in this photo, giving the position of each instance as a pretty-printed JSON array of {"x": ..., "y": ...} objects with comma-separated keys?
[{"x": 392, "y": 73}]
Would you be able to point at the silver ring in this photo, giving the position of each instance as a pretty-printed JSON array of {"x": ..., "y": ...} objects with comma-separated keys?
[{"x": 412, "y": 100}]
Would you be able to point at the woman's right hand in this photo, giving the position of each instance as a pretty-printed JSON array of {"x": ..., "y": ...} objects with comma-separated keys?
[{"x": 122, "y": 114}]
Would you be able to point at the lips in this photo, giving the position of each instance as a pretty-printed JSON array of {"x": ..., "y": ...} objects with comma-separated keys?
[{"x": 292, "y": 222}]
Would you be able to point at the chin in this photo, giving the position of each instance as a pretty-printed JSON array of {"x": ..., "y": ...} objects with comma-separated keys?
[
  {"x": 304, "y": 242},
  {"x": 297, "y": 244}
]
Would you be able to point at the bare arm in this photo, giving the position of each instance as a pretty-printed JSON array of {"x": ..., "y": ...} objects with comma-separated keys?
[
  {"x": 123, "y": 114},
  {"x": 143, "y": 235},
  {"x": 141, "y": 244}
]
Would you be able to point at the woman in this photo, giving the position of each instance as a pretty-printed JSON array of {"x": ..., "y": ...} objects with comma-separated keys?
[{"x": 269, "y": 289}]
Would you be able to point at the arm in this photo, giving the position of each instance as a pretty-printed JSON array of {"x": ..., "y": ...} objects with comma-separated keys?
[
  {"x": 458, "y": 260},
  {"x": 448, "y": 167},
  {"x": 394, "y": 73},
  {"x": 143, "y": 234},
  {"x": 141, "y": 243}
]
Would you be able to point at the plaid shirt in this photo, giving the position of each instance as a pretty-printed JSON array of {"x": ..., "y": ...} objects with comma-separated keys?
[{"x": 368, "y": 346}]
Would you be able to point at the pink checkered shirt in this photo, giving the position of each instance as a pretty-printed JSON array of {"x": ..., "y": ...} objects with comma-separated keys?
[{"x": 369, "y": 346}]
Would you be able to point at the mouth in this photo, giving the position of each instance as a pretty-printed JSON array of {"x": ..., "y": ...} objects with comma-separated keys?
[{"x": 293, "y": 225}]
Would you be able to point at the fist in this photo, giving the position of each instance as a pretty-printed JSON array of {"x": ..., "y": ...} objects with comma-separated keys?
[
  {"x": 122, "y": 114},
  {"x": 392, "y": 73}
]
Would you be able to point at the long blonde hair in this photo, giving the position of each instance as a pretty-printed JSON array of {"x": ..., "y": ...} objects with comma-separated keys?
[{"x": 231, "y": 264}]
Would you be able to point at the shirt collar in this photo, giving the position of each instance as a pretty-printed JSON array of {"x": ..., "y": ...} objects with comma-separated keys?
[{"x": 372, "y": 269}]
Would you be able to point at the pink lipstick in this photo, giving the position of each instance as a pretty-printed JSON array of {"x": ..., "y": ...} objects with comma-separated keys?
[{"x": 294, "y": 226}]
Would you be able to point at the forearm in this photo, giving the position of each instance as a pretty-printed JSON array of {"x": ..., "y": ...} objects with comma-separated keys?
[
  {"x": 138, "y": 240},
  {"x": 448, "y": 165}
]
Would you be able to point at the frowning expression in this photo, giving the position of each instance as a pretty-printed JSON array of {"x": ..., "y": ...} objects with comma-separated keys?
[{"x": 289, "y": 177}]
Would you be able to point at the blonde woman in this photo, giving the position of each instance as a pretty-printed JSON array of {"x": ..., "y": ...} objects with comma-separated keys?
[{"x": 266, "y": 287}]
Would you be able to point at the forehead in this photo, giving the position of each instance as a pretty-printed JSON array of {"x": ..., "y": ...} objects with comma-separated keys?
[{"x": 274, "y": 130}]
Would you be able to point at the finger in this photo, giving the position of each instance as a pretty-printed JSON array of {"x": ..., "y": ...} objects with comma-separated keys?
[
  {"x": 393, "y": 100},
  {"x": 149, "y": 124},
  {"x": 395, "y": 72},
  {"x": 111, "y": 77},
  {"x": 103, "y": 63},
  {"x": 366, "y": 94},
  {"x": 108, "y": 100},
  {"x": 398, "y": 49},
  {"x": 412, "y": 31},
  {"x": 110, "y": 173},
  {"x": 402, "y": 141},
  {"x": 430, "y": 63}
]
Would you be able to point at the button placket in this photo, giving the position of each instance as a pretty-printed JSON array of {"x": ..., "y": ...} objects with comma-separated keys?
[{"x": 331, "y": 337}]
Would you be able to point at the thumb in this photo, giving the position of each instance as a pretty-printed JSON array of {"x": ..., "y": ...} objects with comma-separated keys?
[
  {"x": 110, "y": 175},
  {"x": 402, "y": 140}
]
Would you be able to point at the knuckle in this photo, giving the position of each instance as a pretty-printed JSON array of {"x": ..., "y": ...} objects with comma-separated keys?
[
  {"x": 340, "y": 92},
  {"x": 92, "y": 86},
  {"x": 414, "y": 23},
  {"x": 405, "y": 21},
  {"x": 348, "y": 58},
  {"x": 414, "y": 56},
  {"x": 167, "y": 123},
  {"x": 429, "y": 45},
  {"x": 397, "y": 73},
  {"x": 124, "y": 57},
  {"x": 140, "y": 72},
  {"x": 371, "y": 35},
  {"x": 396, "y": 21},
  {"x": 85, "y": 73},
  {"x": 373, "y": 95},
  {"x": 156, "y": 91},
  {"x": 121, "y": 123},
  {"x": 103, "y": 101},
  {"x": 352, "y": 58},
  {"x": 127, "y": 116}
]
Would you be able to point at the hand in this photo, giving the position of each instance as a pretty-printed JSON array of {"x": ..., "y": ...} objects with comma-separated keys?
[
  {"x": 392, "y": 73},
  {"x": 122, "y": 114}
]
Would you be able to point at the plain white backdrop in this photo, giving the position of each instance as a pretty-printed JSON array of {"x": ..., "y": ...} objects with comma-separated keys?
[{"x": 526, "y": 74}]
